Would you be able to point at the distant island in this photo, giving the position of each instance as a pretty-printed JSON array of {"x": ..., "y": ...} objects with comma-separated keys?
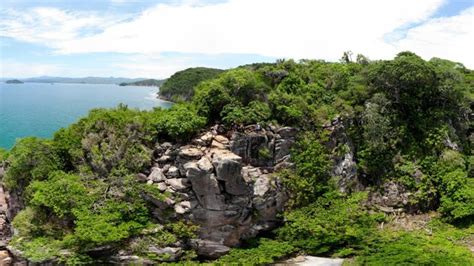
[
  {"x": 14, "y": 81},
  {"x": 146, "y": 82}
]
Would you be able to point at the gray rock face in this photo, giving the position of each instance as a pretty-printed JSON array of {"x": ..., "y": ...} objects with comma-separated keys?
[
  {"x": 224, "y": 185},
  {"x": 178, "y": 183},
  {"x": 344, "y": 168},
  {"x": 263, "y": 147},
  {"x": 229, "y": 169},
  {"x": 166, "y": 253},
  {"x": 210, "y": 249},
  {"x": 156, "y": 175}
]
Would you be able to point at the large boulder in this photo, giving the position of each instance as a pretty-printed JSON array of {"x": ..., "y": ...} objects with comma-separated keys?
[{"x": 229, "y": 169}]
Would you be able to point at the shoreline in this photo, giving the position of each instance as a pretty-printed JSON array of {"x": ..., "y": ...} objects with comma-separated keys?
[{"x": 159, "y": 97}]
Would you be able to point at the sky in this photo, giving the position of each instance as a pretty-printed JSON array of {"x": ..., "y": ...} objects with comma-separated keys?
[{"x": 154, "y": 39}]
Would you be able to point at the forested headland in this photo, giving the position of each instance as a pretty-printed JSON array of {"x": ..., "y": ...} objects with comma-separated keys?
[{"x": 368, "y": 160}]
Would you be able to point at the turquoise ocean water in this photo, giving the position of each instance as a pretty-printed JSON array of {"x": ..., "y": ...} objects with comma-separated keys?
[{"x": 39, "y": 109}]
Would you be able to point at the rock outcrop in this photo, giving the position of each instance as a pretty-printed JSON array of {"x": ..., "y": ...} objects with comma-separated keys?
[
  {"x": 5, "y": 230},
  {"x": 223, "y": 183},
  {"x": 345, "y": 167}
]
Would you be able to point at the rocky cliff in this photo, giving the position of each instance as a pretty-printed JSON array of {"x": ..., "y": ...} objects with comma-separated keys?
[{"x": 221, "y": 181}]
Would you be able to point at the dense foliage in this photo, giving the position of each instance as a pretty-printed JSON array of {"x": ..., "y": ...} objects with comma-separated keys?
[
  {"x": 409, "y": 121},
  {"x": 180, "y": 86}
]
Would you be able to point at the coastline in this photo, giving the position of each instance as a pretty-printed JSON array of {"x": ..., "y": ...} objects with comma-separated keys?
[{"x": 162, "y": 98}]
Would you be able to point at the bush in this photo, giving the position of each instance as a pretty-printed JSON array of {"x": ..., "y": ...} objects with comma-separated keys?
[
  {"x": 255, "y": 112},
  {"x": 179, "y": 123},
  {"x": 311, "y": 177},
  {"x": 456, "y": 189},
  {"x": 107, "y": 140},
  {"x": 113, "y": 222},
  {"x": 415, "y": 249},
  {"x": 30, "y": 159},
  {"x": 261, "y": 252},
  {"x": 333, "y": 224},
  {"x": 61, "y": 193},
  {"x": 237, "y": 87}
]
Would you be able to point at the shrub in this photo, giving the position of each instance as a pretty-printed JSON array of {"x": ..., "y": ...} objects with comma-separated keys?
[
  {"x": 30, "y": 159},
  {"x": 334, "y": 223},
  {"x": 179, "y": 123},
  {"x": 415, "y": 249},
  {"x": 255, "y": 112},
  {"x": 311, "y": 177},
  {"x": 260, "y": 252},
  {"x": 61, "y": 193}
]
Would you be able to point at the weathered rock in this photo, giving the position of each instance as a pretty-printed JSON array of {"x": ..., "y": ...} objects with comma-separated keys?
[
  {"x": 5, "y": 258},
  {"x": 221, "y": 139},
  {"x": 156, "y": 175},
  {"x": 287, "y": 132},
  {"x": 212, "y": 201},
  {"x": 218, "y": 145},
  {"x": 141, "y": 177},
  {"x": 282, "y": 149},
  {"x": 161, "y": 186},
  {"x": 183, "y": 207},
  {"x": 210, "y": 249},
  {"x": 164, "y": 159},
  {"x": 173, "y": 172},
  {"x": 261, "y": 186},
  {"x": 205, "y": 164},
  {"x": 344, "y": 168},
  {"x": 228, "y": 169},
  {"x": 166, "y": 253},
  {"x": 392, "y": 198},
  {"x": 178, "y": 183},
  {"x": 188, "y": 153},
  {"x": 204, "y": 140},
  {"x": 203, "y": 182}
]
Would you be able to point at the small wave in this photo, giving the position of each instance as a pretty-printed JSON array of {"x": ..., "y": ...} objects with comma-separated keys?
[{"x": 153, "y": 96}]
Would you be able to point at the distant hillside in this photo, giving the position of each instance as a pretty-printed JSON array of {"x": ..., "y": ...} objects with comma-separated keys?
[
  {"x": 14, "y": 81},
  {"x": 146, "y": 82},
  {"x": 180, "y": 86},
  {"x": 85, "y": 80}
]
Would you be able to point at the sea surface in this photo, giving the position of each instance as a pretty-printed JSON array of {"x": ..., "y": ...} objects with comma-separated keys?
[{"x": 39, "y": 109}]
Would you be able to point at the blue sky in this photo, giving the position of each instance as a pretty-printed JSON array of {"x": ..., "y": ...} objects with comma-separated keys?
[{"x": 144, "y": 38}]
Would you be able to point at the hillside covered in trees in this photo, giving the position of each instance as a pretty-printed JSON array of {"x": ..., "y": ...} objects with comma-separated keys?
[
  {"x": 380, "y": 169},
  {"x": 180, "y": 86}
]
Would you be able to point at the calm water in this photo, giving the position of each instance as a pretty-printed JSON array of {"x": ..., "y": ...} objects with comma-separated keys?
[{"x": 38, "y": 109}]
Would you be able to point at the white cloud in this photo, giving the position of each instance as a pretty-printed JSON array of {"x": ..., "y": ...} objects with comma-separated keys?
[
  {"x": 451, "y": 37},
  {"x": 51, "y": 26},
  {"x": 277, "y": 28},
  {"x": 297, "y": 28}
]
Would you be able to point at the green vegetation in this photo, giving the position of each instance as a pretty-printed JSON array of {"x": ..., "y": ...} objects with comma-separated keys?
[
  {"x": 180, "y": 86},
  {"x": 146, "y": 82},
  {"x": 408, "y": 120},
  {"x": 438, "y": 244},
  {"x": 259, "y": 252}
]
